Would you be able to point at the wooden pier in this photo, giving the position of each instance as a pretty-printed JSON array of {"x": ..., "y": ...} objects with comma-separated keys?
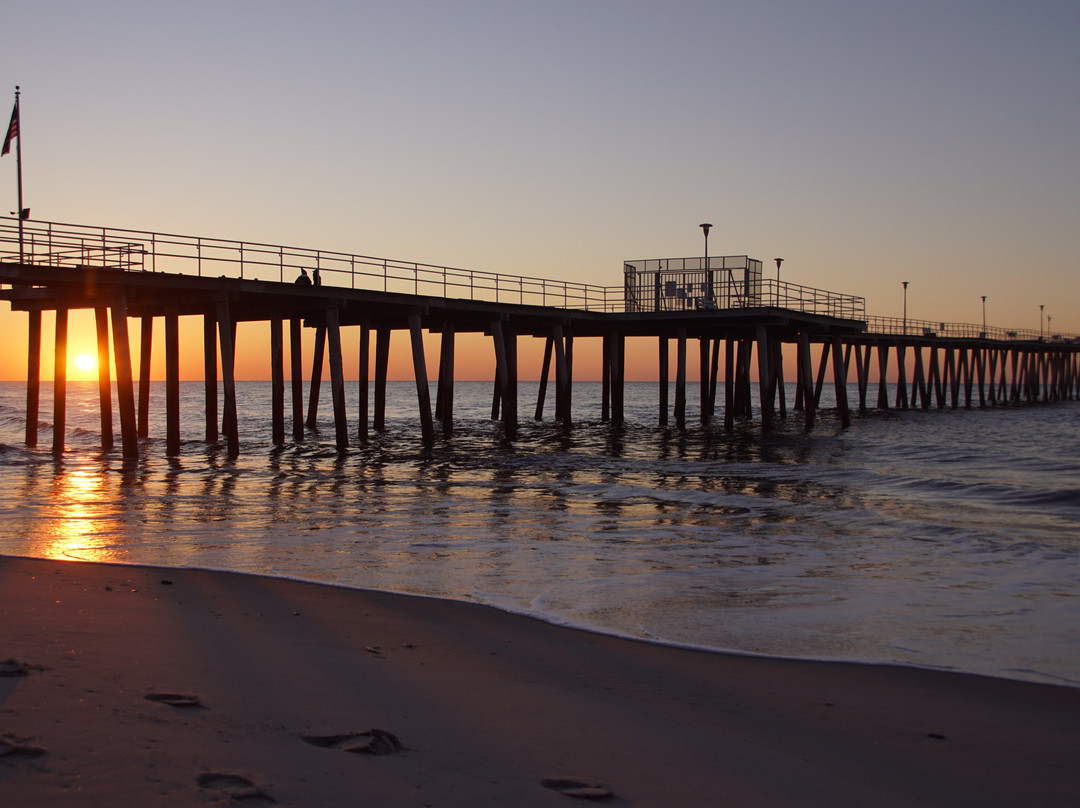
[{"x": 723, "y": 307}]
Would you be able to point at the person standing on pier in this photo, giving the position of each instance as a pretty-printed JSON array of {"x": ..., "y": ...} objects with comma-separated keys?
[{"x": 303, "y": 280}]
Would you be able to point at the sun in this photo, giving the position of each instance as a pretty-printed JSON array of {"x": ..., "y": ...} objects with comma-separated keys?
[{"x": 85, "y": 362}]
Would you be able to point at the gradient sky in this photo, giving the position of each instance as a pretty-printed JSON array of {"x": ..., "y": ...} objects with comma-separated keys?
[{"x": 867, "y": 142}]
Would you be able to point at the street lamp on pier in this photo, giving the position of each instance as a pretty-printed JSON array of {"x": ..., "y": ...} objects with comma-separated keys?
[
  {"x": 1041, "y": 307},
  {"x": 705, "y": 226},
  {"x": 984, "y": 316},
  {"x": 779, "y": 261},
  {"x": 905, "y": 306}
]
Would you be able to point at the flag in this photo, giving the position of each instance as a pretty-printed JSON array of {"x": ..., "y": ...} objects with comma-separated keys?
[{"x": 12, "y": 130}]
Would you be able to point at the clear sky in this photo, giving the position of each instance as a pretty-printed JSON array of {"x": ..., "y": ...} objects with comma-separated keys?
[{"x": 865, "y": 142}]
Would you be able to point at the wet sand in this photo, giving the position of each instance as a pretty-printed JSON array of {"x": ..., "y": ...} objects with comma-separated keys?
[{"x": 170, "y": 687}]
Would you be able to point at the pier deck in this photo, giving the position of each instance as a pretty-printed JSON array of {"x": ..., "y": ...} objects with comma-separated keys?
[{"x": 124, "y": 274}]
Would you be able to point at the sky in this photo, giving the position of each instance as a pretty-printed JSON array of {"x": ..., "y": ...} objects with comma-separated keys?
[{"x": 867, "y": 143}]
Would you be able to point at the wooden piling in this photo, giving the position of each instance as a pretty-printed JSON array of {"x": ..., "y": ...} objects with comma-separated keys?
[
  {"x": 862, "y": 374},
  {"x": 146, "y": 340},
  {"x": 317, "y": 359},
  {"x": 952, "y": 376},
  {"x": 729, "y": 384},
  {"x": 705, "y": 413},
  {"x": 901, "y": 375},
  {"x": 563, "y": 376},
  {"x": 806, "y": 380},
  {"x": 933, "y": 380},
  {"x": 382, "y": 362},
  {"x": 227, "y": 340},
  {"x": 618, "y": 373},
  {"x": 545, "y": 374},
  {"x": 883, "y": 377},
  {"x": 296, "y": 377},
  {"x": 714, "y": 376},
  {"x": 60, "y": 381},
  {"x": 664, "y": 371},
  {"x": 568, "y": 388},
  {"x": 277, "y": 382},
  {"x": 510, "y": 389},
  {"x": 965, "y": 369},
  {"x": 445, "y": 408},
  {"x": 920, "y": 384},
  {"x": 210, "y": 377},
  {"x": 764, "y": 378},
  {"x": 33, "y": 377},
  {"x": 777, "y": 387},
  {"x": 680, "y": 379},
  {"x": 840, "y": 383},
  {"x": 992, "y": 377},
  {"x": 605, "y": 377},
  {"x": 502, "y": 379},
  {"x": 101, "y": 323},
  {"x": 337, "y": 379},
  {"x": 363, "y": 375},
  {"x": 125, "y": 390},
  {"x": 172, "y": 381},
  {"x": 743, "y": 406},
  {"x": 823, "y": 364}
]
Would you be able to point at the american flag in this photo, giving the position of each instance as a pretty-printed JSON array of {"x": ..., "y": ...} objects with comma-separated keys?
[{"x": 12, "y": 130}]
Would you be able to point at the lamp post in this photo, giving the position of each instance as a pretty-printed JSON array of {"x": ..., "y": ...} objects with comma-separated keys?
[
  {"x": 779, "y": 261},
  {"x": 1041, "y": 307},
  {"x": 705, "y": 228},
  {"x": 905, "y": 306},
  {"x": 984, "y": 315}
]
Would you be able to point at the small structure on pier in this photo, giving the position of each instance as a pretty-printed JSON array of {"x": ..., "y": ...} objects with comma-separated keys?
[{"x": 678, "y": 284}]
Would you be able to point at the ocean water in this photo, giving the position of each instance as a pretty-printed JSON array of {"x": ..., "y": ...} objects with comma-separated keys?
[{"x": 934, "y": 538}]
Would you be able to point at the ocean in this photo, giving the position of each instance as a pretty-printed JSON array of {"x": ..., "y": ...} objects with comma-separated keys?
[{"x": 945, "y": 539}]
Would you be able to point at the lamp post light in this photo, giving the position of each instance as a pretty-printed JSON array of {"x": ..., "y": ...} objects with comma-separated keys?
[
  {"x": 779, "y": 261},
  {"x": 705, "y": 226},
  {"x": 905, "y": 306},
  {"x": 984, "y": 316}
]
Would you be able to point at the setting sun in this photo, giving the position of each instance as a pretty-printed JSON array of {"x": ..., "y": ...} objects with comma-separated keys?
[{"x": 85, "y": 362}]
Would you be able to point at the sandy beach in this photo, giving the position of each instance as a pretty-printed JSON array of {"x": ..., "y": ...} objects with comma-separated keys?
[{"x": 176, "y": 687}]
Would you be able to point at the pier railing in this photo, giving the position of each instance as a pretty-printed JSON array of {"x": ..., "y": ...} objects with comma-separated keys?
[
  {"x": 727, "y": 282},
  {"x": 649, "y": 285},
  {"x": 899, "y": 326},
  {"x": 74, "y": 246}
]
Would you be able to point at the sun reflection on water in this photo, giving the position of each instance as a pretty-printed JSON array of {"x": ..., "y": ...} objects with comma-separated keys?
[{"x": 77, "y": 528}]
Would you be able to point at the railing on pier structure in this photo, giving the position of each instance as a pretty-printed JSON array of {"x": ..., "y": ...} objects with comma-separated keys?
[
  {"x": 901, "y": 327},
  {"x": 725, "y": 282},
  {"x": 72, "y": 245},
  {"x": 668, "y": 284}
]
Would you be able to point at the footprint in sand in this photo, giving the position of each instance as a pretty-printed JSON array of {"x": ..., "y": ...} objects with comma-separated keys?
[
  {"x": 237, "y": 788},
  {"x": 582, "y": 789},
  {"x": 372, "y": 742},
  {"x": 13, "y": 749},
  {"x": 175, "y": 700},
  {"x": 12, "y": 667}
]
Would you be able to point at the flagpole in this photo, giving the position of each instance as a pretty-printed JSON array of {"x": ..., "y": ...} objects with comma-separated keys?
[{"x": 18, "y": 172}]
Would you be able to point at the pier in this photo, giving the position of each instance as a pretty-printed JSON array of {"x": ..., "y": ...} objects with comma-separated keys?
[{"x": 721, "y": 307}]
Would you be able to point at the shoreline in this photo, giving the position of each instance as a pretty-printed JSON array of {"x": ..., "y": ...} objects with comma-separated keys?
[
  {"x": 489, "y": 706},
  {"x": 1032, "y": 676}
]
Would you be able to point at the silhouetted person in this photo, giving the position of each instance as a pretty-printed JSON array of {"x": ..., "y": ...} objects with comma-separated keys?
[
  {"x": 318, "y": 277},
  {"x": 303, "y": 280}
]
